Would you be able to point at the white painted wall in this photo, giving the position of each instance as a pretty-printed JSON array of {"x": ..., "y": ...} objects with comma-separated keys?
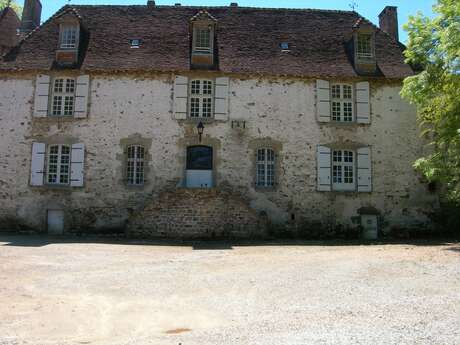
[{"x": 283, "y": 110}]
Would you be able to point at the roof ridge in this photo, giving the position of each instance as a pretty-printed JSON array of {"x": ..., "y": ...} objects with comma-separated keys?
[{"x": 228, "y": 7}]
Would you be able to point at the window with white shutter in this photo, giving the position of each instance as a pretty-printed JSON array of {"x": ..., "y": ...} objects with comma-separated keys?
[
  {"x": 364, "y": 169},
  {"x": 363, "y": 108},
  {"x": 37, "y": 167},
  {"x": 344, "y": 169},
  {"x": 63, "y": 97},
  {"x": 58, "y": 165},
  {"x": 77, "y": 165},
  {"x": 323, "y": 101},
  {"x": 323, "y": 156},
  {"x": 42, "y": 91},
  {"x": 201, "y": 98},
  {"x": 81, "y": 97},
  {"x": 342, "y": 102},
  {"x": 221, "y": 99},
  {"x": 180, "y": 97}
]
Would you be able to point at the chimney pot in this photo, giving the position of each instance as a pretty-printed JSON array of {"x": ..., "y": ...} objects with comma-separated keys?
[
  {"x": 177, "y": 4},
  {"x": 233, "y": 4},
  {"x": 389, "y": 21},
  {"x": 151, "y": 3}
]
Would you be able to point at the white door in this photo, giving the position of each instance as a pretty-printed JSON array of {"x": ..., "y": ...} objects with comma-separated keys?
[
  {"x": 370, "y": 227},
  {"x": 199, "y": 173},
  {"x": 55, "y": 222}
]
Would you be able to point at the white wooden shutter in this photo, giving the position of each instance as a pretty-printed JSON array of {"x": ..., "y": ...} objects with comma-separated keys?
[
  {"x": 363, "y": 108},
  {"x": 42, "y": 92},
  {"x": 323, "y": 101},
  {"x": 221, "y": 98},
  {"x": 323, "y": 156},
  {"x": 180, "y": 97},
  {"x": 37, "y": 166},
  {"x": 81, "y": 97},
  {"x": 77, "y": 159},
  {"x": 364, "y": 169}
]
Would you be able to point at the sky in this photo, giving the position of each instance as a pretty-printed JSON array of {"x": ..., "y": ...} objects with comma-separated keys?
[{"x": 370, "y": 9}]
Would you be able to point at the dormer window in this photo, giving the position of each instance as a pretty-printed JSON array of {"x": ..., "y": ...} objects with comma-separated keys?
[
  {"x": 203, "y": 28},
  {"x": 203, "y": 39},
  {"x": 69, "y": 38},
  {"x": 69, "y": 34},
  {"x": 135, "y": 43},
  {"x": 364, "y": 46},
  {"x": 284, "y": 46}
]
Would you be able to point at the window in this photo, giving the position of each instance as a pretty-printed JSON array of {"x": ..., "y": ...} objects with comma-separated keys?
[
  {"x": 364, "y": 46},
  {"x": 265, "y": 168},
  {"x": 203, "y": 38},
  {"x": 135, "y": 43},
  {"x": 201, "y": 98},
  {"x": 342, "y": 103},
  {"x": 135, "y": 165},
  {"x": 343, "y": 170},
  {"x": 284, "y": 46},
  {"x": 69, "y": 37},
  {"x": 63, "y": 97},
  {"x": 58, "y": 167}
]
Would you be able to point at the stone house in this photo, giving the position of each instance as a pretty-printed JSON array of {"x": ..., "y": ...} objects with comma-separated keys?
[
  {"x": 9, "y": 26},
  {"x": 208, "y": 121}
]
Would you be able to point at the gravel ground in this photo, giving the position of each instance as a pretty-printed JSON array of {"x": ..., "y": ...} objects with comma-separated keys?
[{"x": 82, "y": 292}]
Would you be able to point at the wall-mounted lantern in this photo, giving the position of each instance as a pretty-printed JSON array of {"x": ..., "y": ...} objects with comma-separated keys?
[{"x": 200, "y": 129}]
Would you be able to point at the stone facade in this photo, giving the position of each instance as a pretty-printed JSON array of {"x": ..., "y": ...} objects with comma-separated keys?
[{"x": 277, "y": 111}]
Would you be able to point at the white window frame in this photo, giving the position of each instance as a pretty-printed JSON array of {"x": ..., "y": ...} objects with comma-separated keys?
[
  {"x": 198, "y": 100},
  {"x": 265, "y": 167},
  {"x": 69, "y": 36},
  {"x": 135, "y": 165},
  {"x": 60, "y": 168},
  {"x": 340, "y": 166},
  {"x": 367, "y": 51},
  {"x": 345, "y": 100},
  {"x": 197, "y": 29},
  {"x": 63, "y": 97}
]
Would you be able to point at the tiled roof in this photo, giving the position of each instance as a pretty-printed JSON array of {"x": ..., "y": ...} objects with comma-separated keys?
[
  {"x": 248, "y": 41},
  {"x": 9, "y": 23}
]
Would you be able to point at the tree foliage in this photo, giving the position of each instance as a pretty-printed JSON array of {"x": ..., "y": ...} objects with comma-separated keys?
[
  {"x": 13, "y": 4},
  {"x": 434, "y": 46}
]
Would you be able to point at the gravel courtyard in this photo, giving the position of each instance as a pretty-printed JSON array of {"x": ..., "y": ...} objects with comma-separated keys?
[{"x": 72, "y": 291}]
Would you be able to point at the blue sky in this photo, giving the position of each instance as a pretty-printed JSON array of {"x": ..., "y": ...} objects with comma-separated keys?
[{"x": 367, "y": 8}]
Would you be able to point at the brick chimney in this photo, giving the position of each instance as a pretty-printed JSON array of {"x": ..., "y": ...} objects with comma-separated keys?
[
  {"x": 31, "y": 16},
  {"x": 389, "y": 21}
]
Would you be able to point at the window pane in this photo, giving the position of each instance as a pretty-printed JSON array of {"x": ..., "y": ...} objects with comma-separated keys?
[
  {"x": 347, "y": 92},
  {"x": 57, "y": 105},
  {"x": 58, "y": 85},
  {"x": 70, "y": 86},
  {"x": 68, "y": 105},
  {"x": 260, "y": 175},
  {"x": 195, "y": 87},
  {"x": 364, "y": 46},
  {"x": 348, "y": 156},
  {"x": 348, "y": 174},
  {"x": 337, "y": 174},
  {"x": 336, "y": 111},
  {"x": 194, "y": 107},
  {"x": 335, "y": 90},
  {"x": 69, "y": 37},
  {"x": 347, "y": 111},
  {"x": 203, "y": 38},
  {"x": 337, "y": 156},
  {"x": 207, "y": 87},
  {"x": 207, "y": 107}
]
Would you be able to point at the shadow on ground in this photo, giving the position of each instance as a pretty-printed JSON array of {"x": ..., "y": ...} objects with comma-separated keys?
[{"x": 44, "y": 240}]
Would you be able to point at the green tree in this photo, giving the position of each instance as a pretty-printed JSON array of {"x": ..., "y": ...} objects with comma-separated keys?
[
  {"x": 434, "y": 47},
  {"x": 13, "y": 4}
]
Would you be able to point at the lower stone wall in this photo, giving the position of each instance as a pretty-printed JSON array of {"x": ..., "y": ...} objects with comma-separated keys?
[{"x": 197, "y": 213}]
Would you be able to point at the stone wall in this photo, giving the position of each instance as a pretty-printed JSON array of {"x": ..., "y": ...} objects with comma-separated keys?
[
  {"x": 197, "y": 213},
  {"x": 278, "y": 111}
]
